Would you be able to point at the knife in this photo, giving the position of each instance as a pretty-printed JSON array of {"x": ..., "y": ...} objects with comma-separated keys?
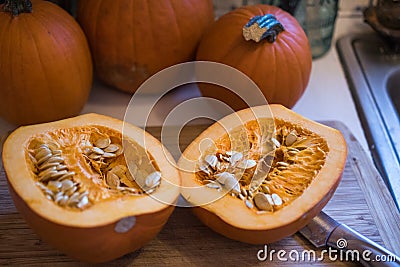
[{"x": 325, "y": 231}]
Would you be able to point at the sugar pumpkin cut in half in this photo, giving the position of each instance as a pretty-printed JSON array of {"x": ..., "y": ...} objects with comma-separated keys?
[
  {"x": 261, "y": 174},
  {"x": 92, "y": 186}
]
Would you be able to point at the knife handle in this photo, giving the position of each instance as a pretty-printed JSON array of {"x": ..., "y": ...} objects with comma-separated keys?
[{"x": 370, "y": 253}]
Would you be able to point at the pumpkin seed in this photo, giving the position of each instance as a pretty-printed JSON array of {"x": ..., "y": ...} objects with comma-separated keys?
[
  {"x": 57, "y": 153},
  {"x": 61, "y": 167},
  {"x": 265, "y": 189},
  {"x": 276, "y": 199},
  {"x": 283, "y": 164},
  {"x": 47, "y": 171},
  {"x": 211, "y": 160},
  {"x": 261, "y": 201},
  {"x": 62, "y": 200},
  {"x": 108, "y": 155},
  {"x": 43, "y": 159},
  {"x": 213, "y": 185},
  {"x": 153, "y": 179},
  {"x": 112, "y": 180},
  {"x": 42, "y": 152},
  {"x": 73, "y": 199},
  {"x": 126, "y": 181},
  {"x": 66, "y": 185},
  {"x": 119, "y": 170},
  {"x": 47, "y": 165},
  {"x": 291, "y": 138},
  {"x": 48, "y": 176},
  {"x": 102, "y": 142},
  {"x": 223, "y": 176},
  {"x": 58, "y": 174},
  {"x": 112, "y": 148},
  {"x": 232, "y": 184},
  {"x": 54, "y": 186},
  {"x": 66, "y": 176},
  {"x": 269, "y": 198},
  {"x": 249, "y": 204},
  {"x": 98, "y": 150},
  {"x": 205, "y": 169},
  {"x": 235, "y": 157},
  {"x": 83, "y": 202},
  {"x": 247, "y": 164},
  {"x": 243, "y": 192},
  {"x": 275, "y": 142},
  {"x": 94, "y": 156}
]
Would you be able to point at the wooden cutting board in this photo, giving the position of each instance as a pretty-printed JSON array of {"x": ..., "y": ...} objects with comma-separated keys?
[{"x": 361, "y": 201}]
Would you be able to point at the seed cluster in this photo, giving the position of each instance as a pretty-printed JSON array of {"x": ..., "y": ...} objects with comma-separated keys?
[
  {"x": 105, "y": 172},
  {"x": 268, "y": 171},
  {"x": 55, "y": 179}
]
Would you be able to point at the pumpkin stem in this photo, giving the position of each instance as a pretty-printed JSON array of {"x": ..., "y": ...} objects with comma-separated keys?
[
  {"x": 262, "y": 27},
  {"x": 16, "y": 7}
]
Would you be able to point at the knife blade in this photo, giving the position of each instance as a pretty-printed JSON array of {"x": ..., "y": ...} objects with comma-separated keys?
[{"x": 325, "y": 231}]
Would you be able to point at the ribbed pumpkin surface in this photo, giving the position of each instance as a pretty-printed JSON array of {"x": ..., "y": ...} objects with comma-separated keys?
[
  {"x": 45, "y": 65},
  {"x": 280, "y": 69},
  {"x": 132, "y": 40}
]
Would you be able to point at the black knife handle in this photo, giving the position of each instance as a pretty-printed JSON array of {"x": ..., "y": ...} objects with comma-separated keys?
[{"x": 370, "y": 253}]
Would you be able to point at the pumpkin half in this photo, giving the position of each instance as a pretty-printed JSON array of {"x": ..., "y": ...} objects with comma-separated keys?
[
  {"x": 265, "y": 43},
  {"x": 92, "y": 186},
  {"x": 257, "y": 178}
]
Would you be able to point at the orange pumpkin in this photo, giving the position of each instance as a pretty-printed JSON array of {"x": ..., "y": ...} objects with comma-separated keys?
[
  {"x": 93, "y": 207},
  {"x": 281, "y": 68},
  {"x": 45, "y": 63},
  {"x": 132, "y": 40},
  {"x": 257, "y": 178}
]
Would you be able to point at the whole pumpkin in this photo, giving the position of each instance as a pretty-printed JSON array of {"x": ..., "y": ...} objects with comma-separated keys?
[
  {"x": 133, "y": 39},
  {"x": 45, "y": 63},
  {"x": 280, "y": 67}
]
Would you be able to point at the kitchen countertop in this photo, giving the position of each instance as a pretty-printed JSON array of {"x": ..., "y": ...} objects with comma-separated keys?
[{"x": 326, "y": 98}]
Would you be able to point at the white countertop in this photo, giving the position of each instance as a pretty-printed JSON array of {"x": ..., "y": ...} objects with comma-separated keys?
[{"x": 326, "y": 98}]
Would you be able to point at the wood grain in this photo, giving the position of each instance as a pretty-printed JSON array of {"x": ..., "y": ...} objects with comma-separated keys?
[{"x": 361, "y": 201}]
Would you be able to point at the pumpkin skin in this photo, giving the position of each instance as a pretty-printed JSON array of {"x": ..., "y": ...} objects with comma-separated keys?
[
  {"x": 280, "y": 69},
  {"x": 90, "y": 235},
  {"x": 229, "y": 216},
  {"x": 45, "y": 65},
  {"x": 132, "y": 40}
]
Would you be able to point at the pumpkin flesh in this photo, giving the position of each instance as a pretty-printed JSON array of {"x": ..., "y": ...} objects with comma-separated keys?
[
  {"x": 304, "y": 183},
  {"x": 90, "y": 231}
]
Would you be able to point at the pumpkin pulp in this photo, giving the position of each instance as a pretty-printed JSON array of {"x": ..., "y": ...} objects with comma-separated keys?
[{"x": 77, "y": 167}]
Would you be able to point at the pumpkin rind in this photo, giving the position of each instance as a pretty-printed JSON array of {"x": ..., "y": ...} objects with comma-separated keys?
[
  {"x": 132, "y": 40},
  {"x": 230, "y": 217},
  {"x": 45, "y": 65},
  {"x": 90, "y": 235},
  {"x": 280, "y": 69}
]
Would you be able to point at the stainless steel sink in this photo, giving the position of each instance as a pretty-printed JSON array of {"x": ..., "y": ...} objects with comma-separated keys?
[{"x": 372, "y": 69}]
